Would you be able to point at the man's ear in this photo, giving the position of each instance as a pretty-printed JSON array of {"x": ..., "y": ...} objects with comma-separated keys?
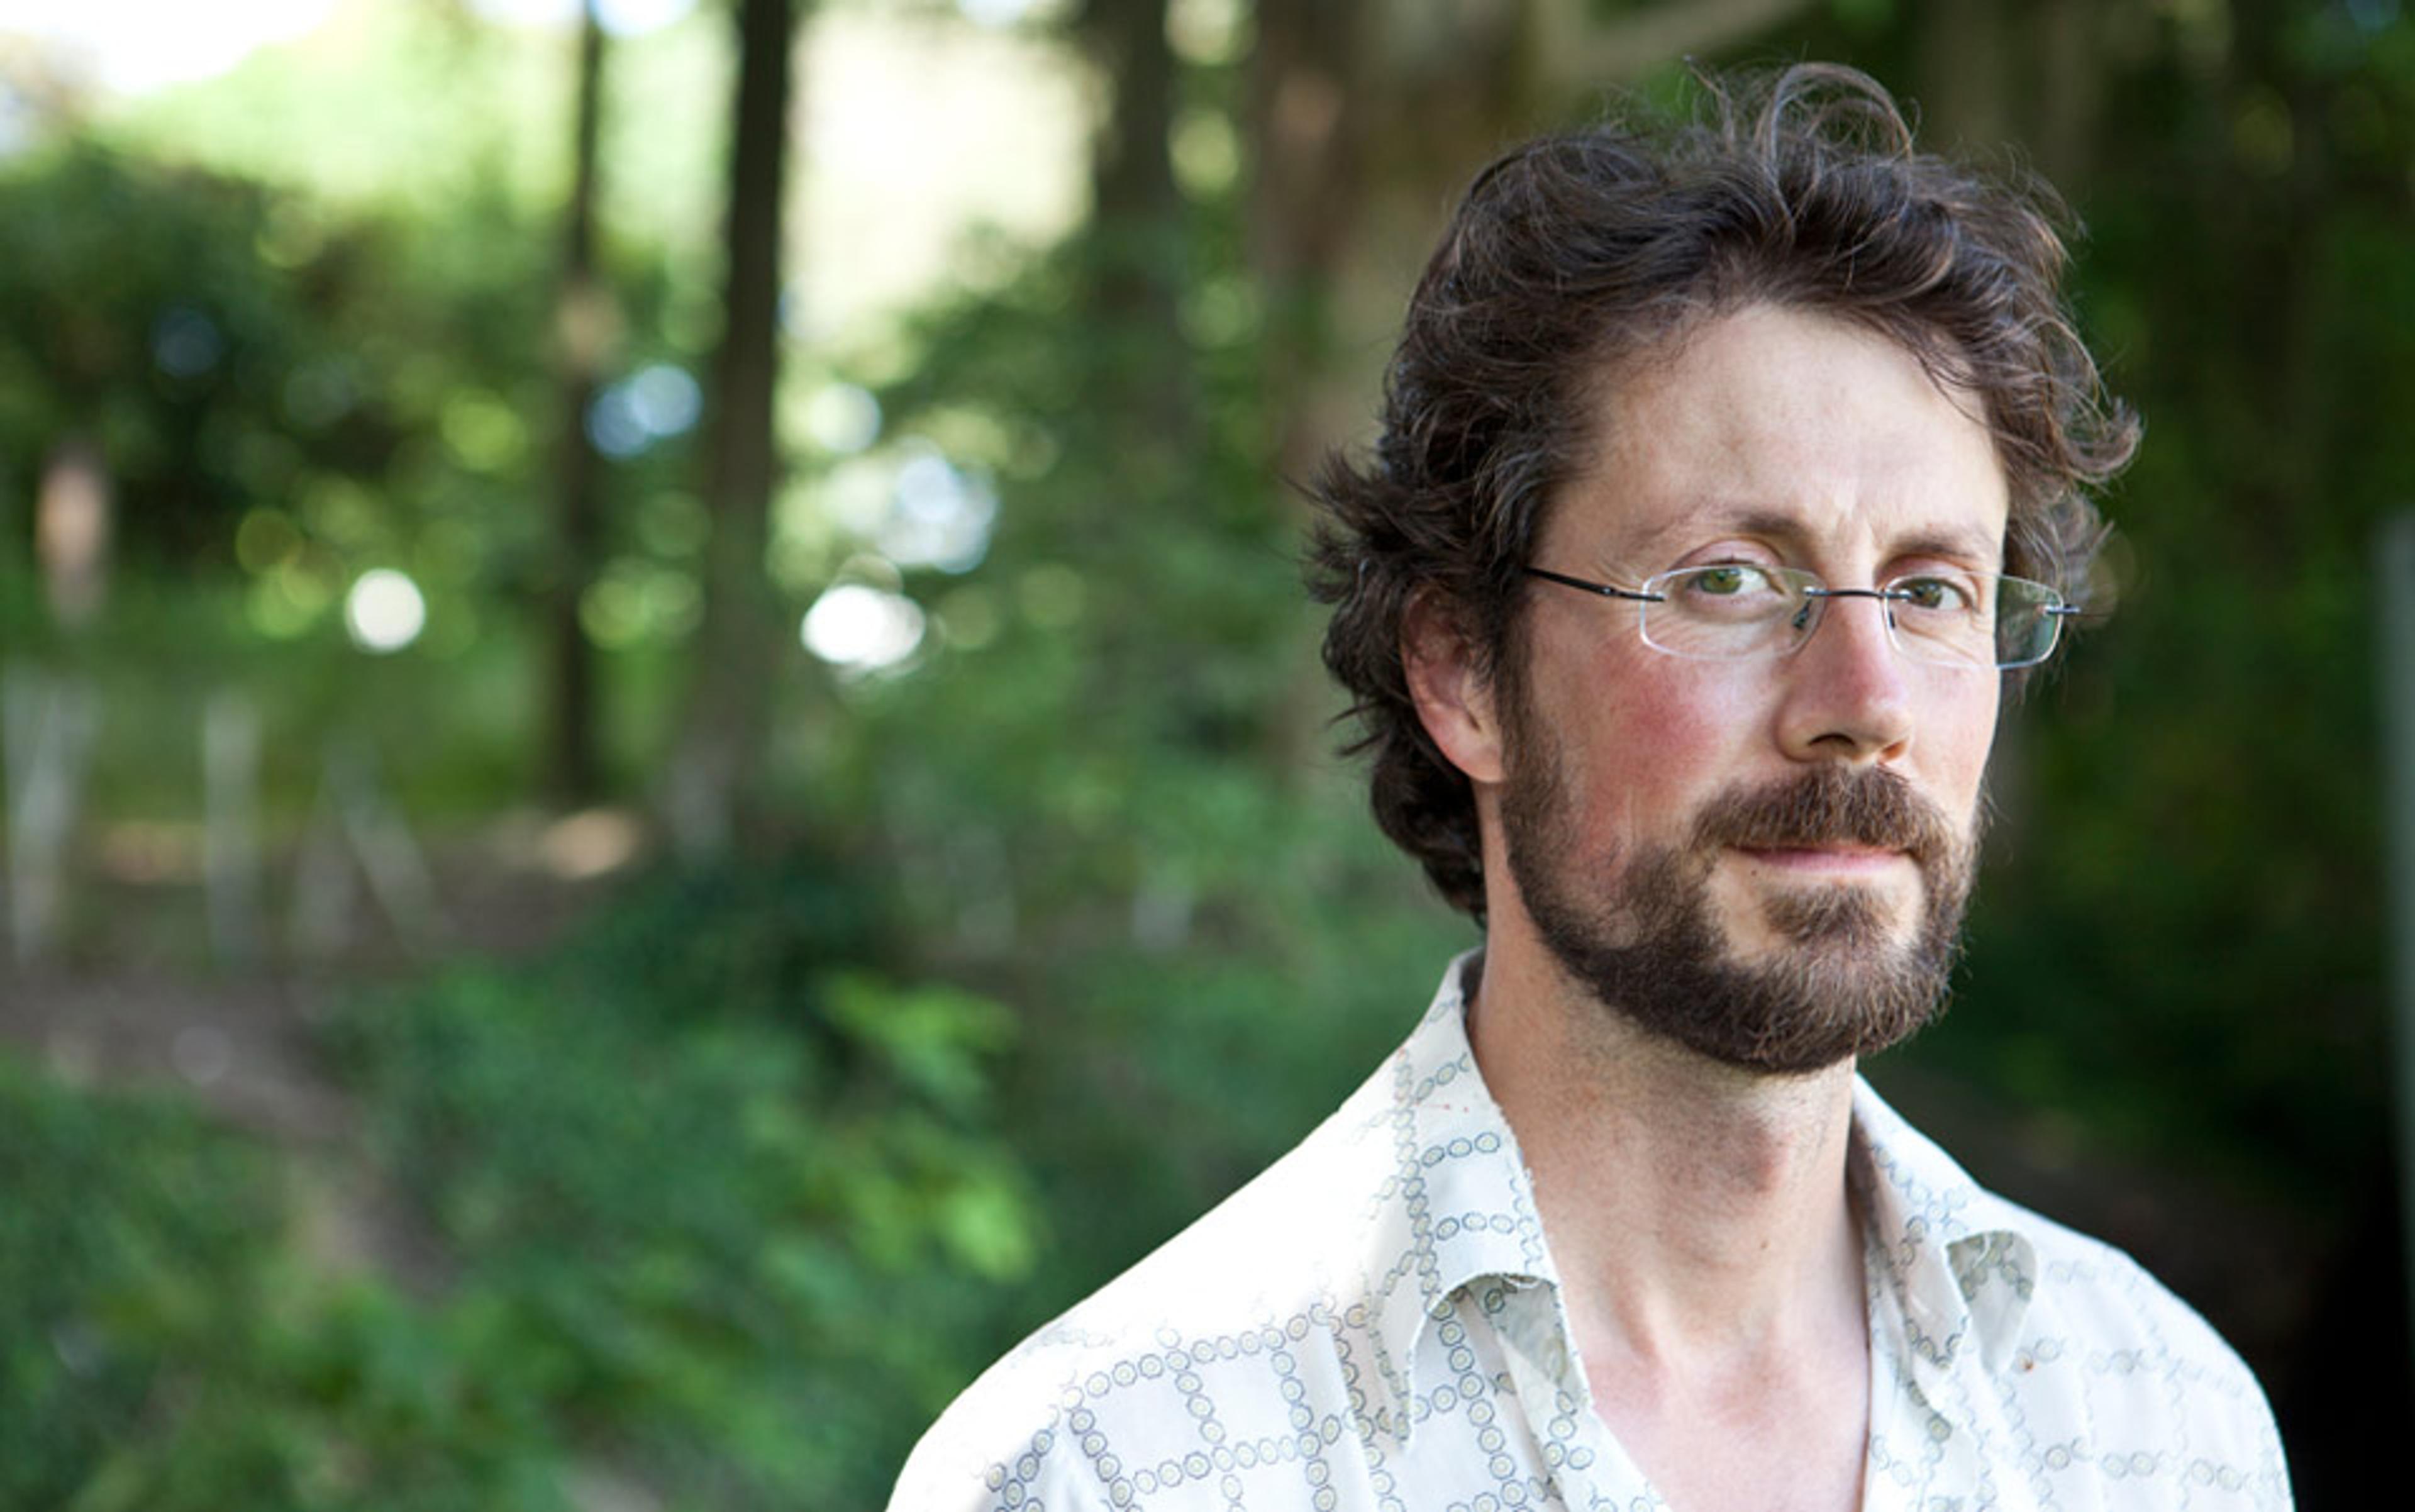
[{"x": 1454, "y": 697}]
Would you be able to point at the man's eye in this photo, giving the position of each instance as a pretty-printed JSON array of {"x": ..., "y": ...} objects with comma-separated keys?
[
  {"x": 1731, "y": 580},
  {"x": 1934, "y": 593}
]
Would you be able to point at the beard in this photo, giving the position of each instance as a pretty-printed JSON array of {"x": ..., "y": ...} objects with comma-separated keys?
[{"x": 1643, "y": 939}]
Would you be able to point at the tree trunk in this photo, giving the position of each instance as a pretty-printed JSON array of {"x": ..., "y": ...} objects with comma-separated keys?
[
  {"x": 583, "y": 333},
  {"x": 1136, "y": 214},
  {"x": 716, "y": 774},
  {"x": 2071, "y": 77},
  {"x": 1966, "y": 77},
  {"x": 1306, "y": 110}
]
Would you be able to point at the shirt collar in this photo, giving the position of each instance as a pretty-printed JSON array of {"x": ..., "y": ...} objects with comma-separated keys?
[
  {"x": 1456, "y": 1206},
  {"x": 1960, "y": 1260}
]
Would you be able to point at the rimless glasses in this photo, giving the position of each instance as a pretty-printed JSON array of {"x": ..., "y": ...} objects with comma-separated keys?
[{"x": 1736, "y": 611}]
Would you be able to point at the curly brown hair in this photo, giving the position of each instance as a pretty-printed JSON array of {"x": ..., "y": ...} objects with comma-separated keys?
[{"x": 1575, "y": 258}]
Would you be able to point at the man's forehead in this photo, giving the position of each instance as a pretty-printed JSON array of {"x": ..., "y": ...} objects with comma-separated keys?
[{"x": 1792, "y": 425}]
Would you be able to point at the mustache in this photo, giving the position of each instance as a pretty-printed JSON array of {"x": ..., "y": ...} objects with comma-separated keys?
[{"x": 1829, "y": 805}]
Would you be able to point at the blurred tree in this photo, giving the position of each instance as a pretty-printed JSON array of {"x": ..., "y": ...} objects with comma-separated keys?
[
  {"x": 1136, "y": 217},
  {"x": 585, "y": 332},
  {"x": 716, "y": 766},
  {"x": 160, "y": 352},
  {"x": 1308, "y": 106}
]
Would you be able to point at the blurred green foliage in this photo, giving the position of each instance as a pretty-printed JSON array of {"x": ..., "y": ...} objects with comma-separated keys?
[
  {"x": 270, "y": 388},
  {"x": 130, "y": 1253},
  {"x": 687, "y": 1178},
  {"x": 699, "y": 1163}
]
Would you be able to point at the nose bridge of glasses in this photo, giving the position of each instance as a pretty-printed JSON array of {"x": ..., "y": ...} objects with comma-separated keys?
[{"x": 1805, "y": 621}]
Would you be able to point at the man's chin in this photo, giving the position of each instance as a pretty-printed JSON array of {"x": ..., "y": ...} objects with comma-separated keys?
[{"x": 1775, "y": 919}]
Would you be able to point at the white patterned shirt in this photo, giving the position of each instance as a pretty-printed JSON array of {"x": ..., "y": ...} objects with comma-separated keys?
[{"x": 1375, "y": 1322}]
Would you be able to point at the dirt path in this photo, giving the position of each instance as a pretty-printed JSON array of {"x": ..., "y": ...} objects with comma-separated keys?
[{"x": 136, "y": 1003}]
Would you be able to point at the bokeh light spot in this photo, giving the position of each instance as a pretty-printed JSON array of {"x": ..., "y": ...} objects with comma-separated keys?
[
  {"x": 650, "y": 405},
  {"x": 937, "y": 516},
  {"x": 1208, "y": 32},
  {"x": 994, "y": 13},
  {"x": 265, "y": 539},
  {"x": 859, "y": 628},
  {"x": 1207, "y": 151},
  {"x": 385, "y": 612},
  {"x": 842, "y": 419},
  {"x": 483, "y": 430},
  {"x": 186, "y": 343},
  {"x": 665, "y": 399}
]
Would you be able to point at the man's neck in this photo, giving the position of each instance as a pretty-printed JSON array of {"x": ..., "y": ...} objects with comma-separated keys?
[
  {"x": 1706, "y": 1202},
  {"x": 1699, "y": 1221}
]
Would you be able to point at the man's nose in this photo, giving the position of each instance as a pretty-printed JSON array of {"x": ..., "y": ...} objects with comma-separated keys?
[{"x": 1849, "y": 688}]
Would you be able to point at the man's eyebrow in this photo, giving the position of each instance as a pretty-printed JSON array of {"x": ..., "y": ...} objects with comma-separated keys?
[
  {"x": 1792, "y": 530},
  {"x": 1967, "y": 546}
]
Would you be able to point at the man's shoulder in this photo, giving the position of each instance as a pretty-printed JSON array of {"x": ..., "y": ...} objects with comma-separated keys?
[
  {"x": 2096, "y": 1302},
  {"x": 2068, "y": 1290},
  {"x": 2095, "y": 1369},
  {"x": 1280, "y": 1260},
  {"x": 2114, "y": 1367}
]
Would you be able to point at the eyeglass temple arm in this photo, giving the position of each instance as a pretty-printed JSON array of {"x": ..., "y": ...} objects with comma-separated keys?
[{"x": 1602, "y": 588}]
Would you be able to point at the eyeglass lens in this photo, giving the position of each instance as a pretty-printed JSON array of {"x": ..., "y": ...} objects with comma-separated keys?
[{"x": 1733, "y": 610}]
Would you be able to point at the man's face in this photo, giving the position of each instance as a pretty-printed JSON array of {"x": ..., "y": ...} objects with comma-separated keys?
[{"x": 1765, "y": 860}]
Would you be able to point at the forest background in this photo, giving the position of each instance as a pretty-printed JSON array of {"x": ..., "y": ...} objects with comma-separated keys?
[{"x": 666, "y": 773}]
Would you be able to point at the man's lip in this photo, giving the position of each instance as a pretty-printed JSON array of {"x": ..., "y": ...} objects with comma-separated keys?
[{"x": 1834, "y": 857}]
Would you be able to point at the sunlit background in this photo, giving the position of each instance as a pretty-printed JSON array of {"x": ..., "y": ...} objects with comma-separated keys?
[{"x": 665, "y": 769}]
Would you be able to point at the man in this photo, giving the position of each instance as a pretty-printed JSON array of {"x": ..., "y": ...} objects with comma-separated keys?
[{"x": 1729, "y": 472}]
